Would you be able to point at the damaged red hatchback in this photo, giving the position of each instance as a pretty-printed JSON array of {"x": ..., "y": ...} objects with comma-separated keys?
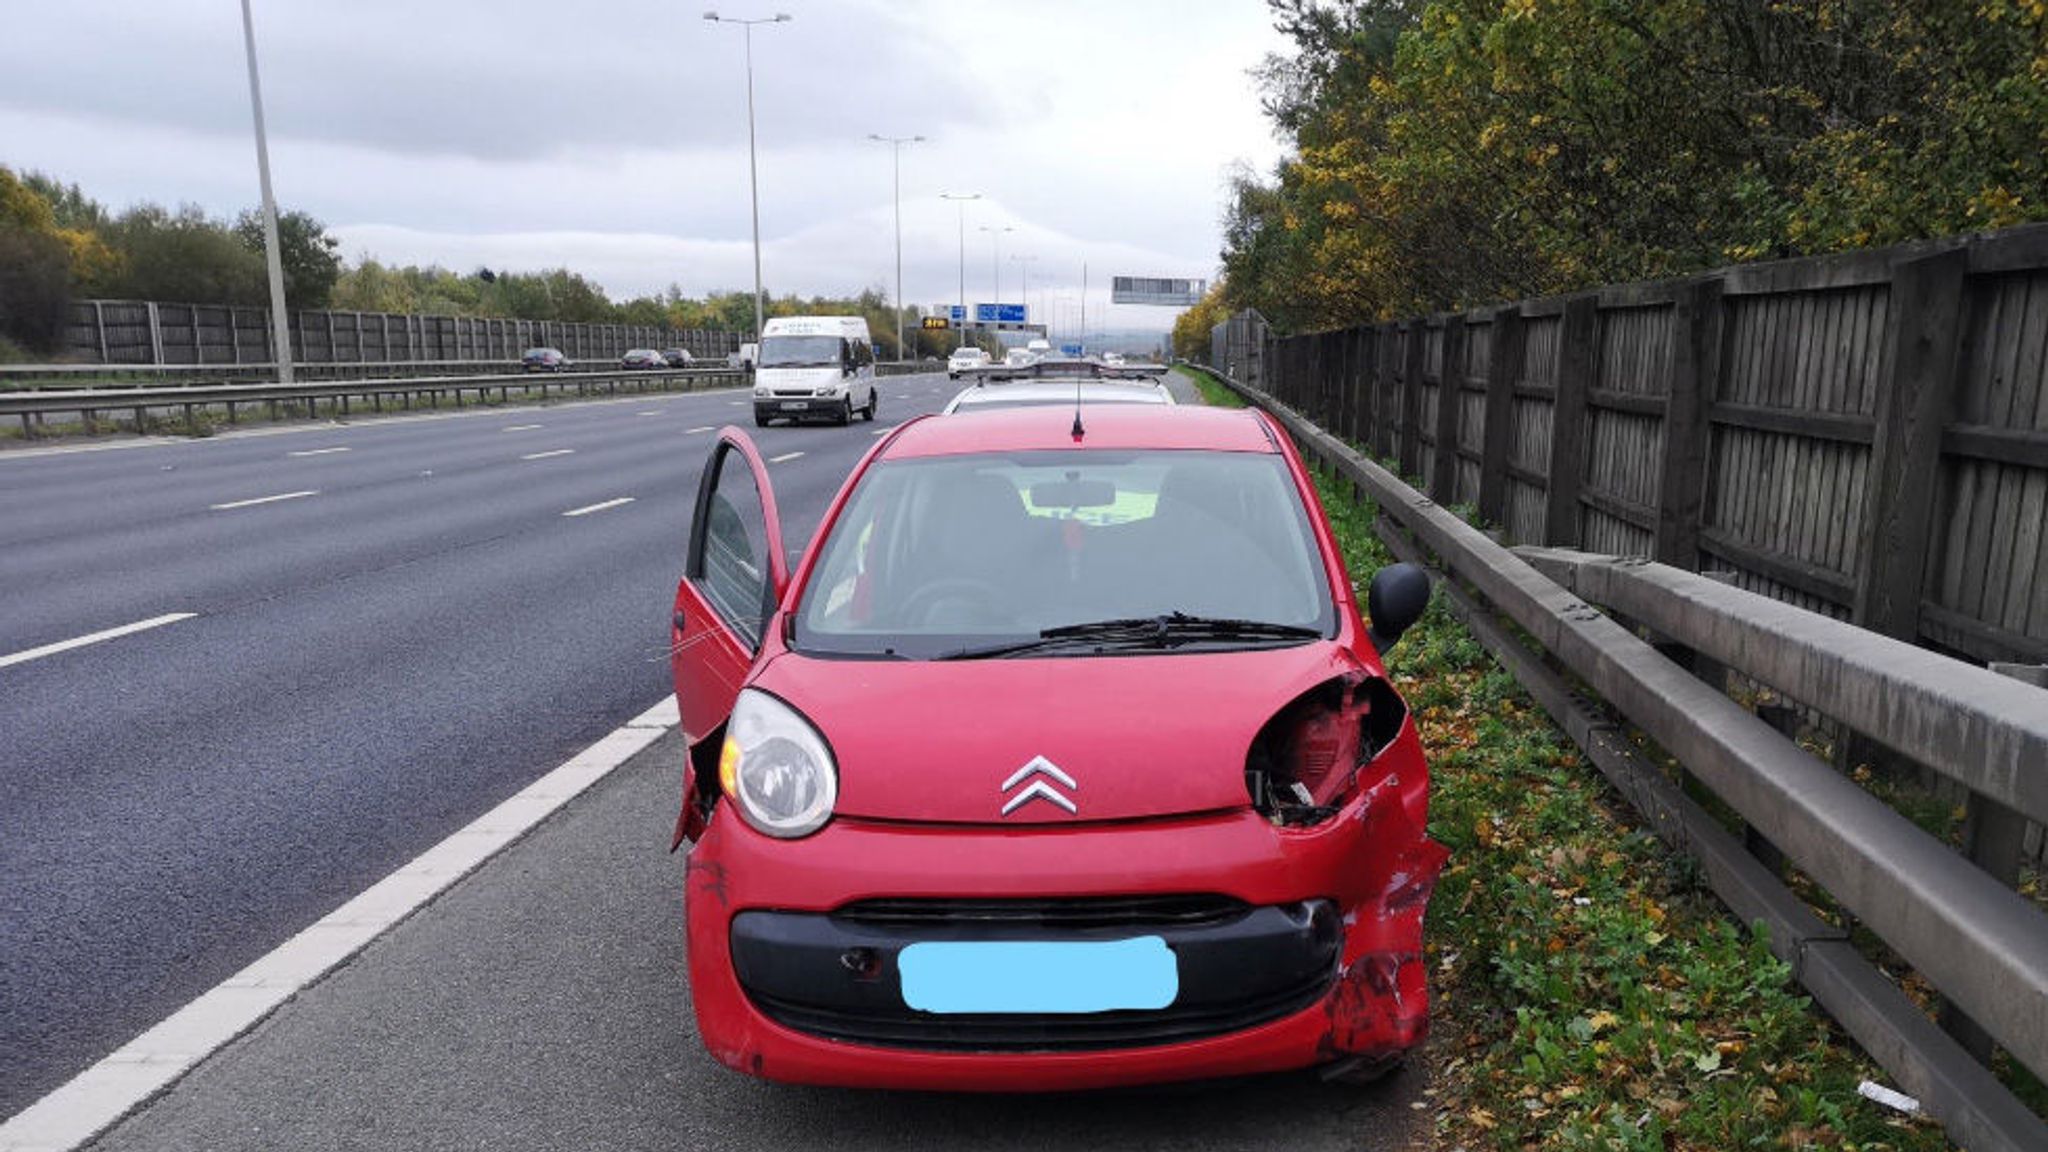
[{"x": 1062, "y": 760}]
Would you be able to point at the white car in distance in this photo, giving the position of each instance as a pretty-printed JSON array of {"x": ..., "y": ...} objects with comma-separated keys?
[{"x": 964, "y": 359}]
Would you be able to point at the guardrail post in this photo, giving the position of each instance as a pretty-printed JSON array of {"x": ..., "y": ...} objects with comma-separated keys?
[
  {"x": 1413, "y": 360},
  {"x": 1695, "y": 379},
  {"x": 1574, "y": 376},
  {"x": 1450, "y": 404},
  {"x": 1502, "y": 361},
  {"x": 1994, "y": 837}
]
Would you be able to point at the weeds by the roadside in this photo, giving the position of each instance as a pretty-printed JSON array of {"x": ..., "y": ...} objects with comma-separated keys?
[
  {"x": 1589, "y": 994},
  {"x": 1213, "y": 394}
]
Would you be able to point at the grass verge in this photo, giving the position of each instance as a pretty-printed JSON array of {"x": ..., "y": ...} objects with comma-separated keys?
[
  {"x": 1213, "y": 394},
  {"x": 1591, "y": 994}
]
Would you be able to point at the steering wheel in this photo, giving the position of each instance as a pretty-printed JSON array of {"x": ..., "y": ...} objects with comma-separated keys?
[{"x": 919, "y": 607}]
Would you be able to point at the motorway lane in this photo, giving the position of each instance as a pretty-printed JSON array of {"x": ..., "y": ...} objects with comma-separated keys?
[
  {"x": 370, "y": 668},
  {"x": 542, "y": 1004}
]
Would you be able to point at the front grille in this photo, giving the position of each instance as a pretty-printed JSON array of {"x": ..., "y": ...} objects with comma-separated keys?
[
  {"x": 1026, "y": 1032},
  {"x": 1178, "y": 910},
  {"x": 836, "y": 975}
]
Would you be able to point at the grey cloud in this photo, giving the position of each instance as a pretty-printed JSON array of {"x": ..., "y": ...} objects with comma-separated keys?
[{"x": 493, "y": 80}]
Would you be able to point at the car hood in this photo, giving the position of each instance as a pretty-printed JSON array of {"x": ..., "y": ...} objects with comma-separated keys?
[{"x": 1139, "y": 736}]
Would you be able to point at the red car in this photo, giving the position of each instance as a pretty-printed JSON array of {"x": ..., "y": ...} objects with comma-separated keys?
[{"x": 1062, "y": 760}]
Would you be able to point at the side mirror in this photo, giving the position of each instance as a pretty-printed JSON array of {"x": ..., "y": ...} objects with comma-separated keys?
[{"x": 1396, "y": 600}]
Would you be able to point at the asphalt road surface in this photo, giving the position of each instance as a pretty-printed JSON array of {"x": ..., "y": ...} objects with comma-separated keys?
[
  {"x": 541, "y": 1005},
  {"x": 393, "y": 626}
]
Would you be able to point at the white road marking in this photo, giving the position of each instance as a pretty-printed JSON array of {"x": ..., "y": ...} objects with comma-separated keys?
[
  {"x": 140, "y": 1069},
  {"x": 735, "y": 403},
  {"x": 264, "y": 500},
  {"x": 545, "y": 455},
  {"x": 81, "y": 641},
  {"x": 520, "y": 428},
  {"x": 647, "y": 413},
  {"x": 317, "y": 452},
  {"x": 600, "y": 507},
  {"x": 881, "y": 431},
  {"x": 784, "y": 458},
  {"x": 694, "y": 431}
]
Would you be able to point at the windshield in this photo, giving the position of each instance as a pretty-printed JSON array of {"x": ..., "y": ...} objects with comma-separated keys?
[
  {"x": 934, "y": 556},
  {"x": 800, "y": 352}
]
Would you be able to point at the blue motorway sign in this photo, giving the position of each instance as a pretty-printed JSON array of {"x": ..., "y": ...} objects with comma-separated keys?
[
  {"x": 1070, "y": 349},
  {"x": 957, "y": 313},
  {"x": 999, "y": 314}
]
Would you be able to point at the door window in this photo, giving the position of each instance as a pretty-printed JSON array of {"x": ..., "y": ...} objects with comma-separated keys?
[{"x": 732, "y": 565}]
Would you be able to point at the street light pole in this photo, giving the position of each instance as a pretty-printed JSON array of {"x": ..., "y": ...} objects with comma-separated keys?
[
  {"x": 961, "y": 198},
  {"x": 1024, "y": 290},
  {"x": 995, "y": 261},
  {"x": 280, "y": 327},
  {"x": 753, "y": 172},
  {"x": 896, "y": 144}
]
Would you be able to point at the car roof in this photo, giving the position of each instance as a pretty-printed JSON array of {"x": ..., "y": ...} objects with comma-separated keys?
[
  {"x": 1108, "y": 426},
  {"x": 1001, "y": 395}
]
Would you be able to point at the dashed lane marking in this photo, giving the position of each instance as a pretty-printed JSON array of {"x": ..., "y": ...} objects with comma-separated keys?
[
  {"x": 784, "y": 458},
  {"x": 264, "y": 500},
  {"x": 27, "y": 655},
  {"x": 600, "y": 507},
  {"x": 545, "y": 455},
  {"x": 317, "y": 452}
]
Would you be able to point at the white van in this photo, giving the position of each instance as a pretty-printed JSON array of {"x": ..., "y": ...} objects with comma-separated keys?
[{"x": 815, "y": 366}]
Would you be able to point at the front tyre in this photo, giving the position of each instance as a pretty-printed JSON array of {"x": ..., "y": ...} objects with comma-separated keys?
[
  {"x": 1359, "y": 1071},
  {"x": 844, "y": 416},
  {"x": 874, "y": 401}
]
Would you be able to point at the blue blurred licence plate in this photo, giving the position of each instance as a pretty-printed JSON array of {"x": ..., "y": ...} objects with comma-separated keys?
[{"x": 1031, "y": 976}]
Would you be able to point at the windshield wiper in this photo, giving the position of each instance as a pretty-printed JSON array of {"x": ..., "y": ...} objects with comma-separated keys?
[{"x": 1169, "y": 631}]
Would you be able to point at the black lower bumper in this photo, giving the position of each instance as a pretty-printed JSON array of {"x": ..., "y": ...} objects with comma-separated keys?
[
  {"x": 814, "y": 407},
  {"x": 835, "y": 975}
]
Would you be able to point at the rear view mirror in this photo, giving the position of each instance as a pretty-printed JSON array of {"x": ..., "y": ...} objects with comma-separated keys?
[
  {"x": 1073, "y": 494},
  {"x": 1398, "y": 597}
]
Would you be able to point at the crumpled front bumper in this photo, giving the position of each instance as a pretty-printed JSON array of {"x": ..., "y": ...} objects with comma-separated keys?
[{"x": 1370, "y": 866}]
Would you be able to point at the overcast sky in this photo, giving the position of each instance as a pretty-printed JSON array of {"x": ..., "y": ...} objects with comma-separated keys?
[{"x": 610, "y": 135}]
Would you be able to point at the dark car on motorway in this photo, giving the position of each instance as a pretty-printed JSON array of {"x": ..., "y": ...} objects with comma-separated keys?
[
  {"x": 677, "y": 357},
  {"x": 643, "y": 358},
  {"x": 544, "y": 360}
]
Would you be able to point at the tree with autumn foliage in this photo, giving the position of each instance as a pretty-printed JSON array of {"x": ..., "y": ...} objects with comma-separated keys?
[
  {"x": 1192, "y": 328},
  {"x": 1457, "y": 152}
]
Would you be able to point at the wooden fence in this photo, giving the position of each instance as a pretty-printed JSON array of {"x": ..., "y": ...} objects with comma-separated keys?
[
  {"x": 147, "y": 332},
  {"x": 1864, "y": 435}
]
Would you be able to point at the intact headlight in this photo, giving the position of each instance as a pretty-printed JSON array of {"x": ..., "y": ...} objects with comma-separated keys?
[
  {"x": 776, "y": 767},
  {"x": 763, "y": 391}
]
